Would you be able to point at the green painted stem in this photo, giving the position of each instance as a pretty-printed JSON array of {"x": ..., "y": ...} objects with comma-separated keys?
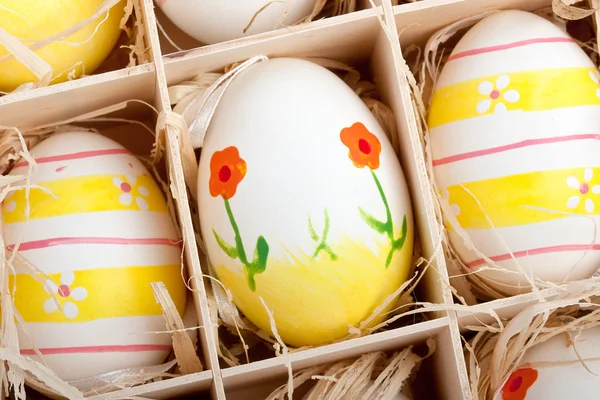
[
  {"x": 388, "y": 214},
  {"x": 261, "y": 252},
  {"x": 322, "y": 245},
  {"x": 388, "y": 226},
  {"x": 239, "y": 245}
]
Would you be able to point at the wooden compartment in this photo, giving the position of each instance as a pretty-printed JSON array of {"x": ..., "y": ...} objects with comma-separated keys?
[
  {"x": 419, "y": 381},
  {"x": 415, "y": 27},
  {"x": 416, "y": 23},
  {"x": 173, "y": 39},
  {"x": 355, "y": 39},
  {"x": 131, "y": 50},
  {"x": 133, "y": 126},
  {"x": 366, "y": 38}
]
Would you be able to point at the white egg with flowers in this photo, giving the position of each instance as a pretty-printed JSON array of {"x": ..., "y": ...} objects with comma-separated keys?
[
  {"x": 303, "y": 204},
  {"x": 514, "y": 124}
]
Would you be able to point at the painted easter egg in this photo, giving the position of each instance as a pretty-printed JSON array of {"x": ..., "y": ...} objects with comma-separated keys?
[
  {"x": 303, "y": 204},
  {"x": 515, "y": 129},
  {"x": 95, "y": 225},
  {"x": 215, "y": 21},
  {"x": 80, "y": 53},
  {"x": 553, "y": 370}
]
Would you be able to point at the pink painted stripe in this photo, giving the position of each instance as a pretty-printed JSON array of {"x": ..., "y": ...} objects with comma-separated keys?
[
  {"x": 507, "y": 46},
  {"x": 75, "y": 156},
  {"x": 131, "y": 348},
  {"x": 513, "y": 146},
  {"x": 535, "y": 252},
  {"x": 65, "y": 241}
]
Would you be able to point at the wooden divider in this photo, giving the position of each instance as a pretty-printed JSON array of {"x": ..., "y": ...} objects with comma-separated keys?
[
  {"x": 351, "y": 38},
  {"x": 356, "y": 37},
  {"x": 209, "y": 342}
]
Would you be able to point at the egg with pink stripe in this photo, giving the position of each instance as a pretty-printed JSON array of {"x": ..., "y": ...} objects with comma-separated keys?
[
  {"x": 514, "y": 123},
  {"x": 94, "y": 228}
]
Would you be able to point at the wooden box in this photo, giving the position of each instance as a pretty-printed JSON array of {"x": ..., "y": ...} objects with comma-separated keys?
[{"x": 369, "y": 37}]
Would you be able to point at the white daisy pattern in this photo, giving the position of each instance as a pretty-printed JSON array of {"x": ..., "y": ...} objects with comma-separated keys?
[
  {"x": 127, "y": 188},
  {"x": 596, "y": 78},
  {"x": 496, "y": 95},
  {"x": 583, "y": 188},
  {"x": 455, "y": 208},
  {"x": 63, "y": 293},
  {"x": 9, "y": 205}
]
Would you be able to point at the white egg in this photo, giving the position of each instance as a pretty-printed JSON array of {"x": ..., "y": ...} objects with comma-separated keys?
[
  {"x": 303, "y": 204},
  {"x": 96, "y": 224},
  {"x": 553, "y": 370},
  {"x": 514, "y": 124},
  {"x": 215, "y": 21}
]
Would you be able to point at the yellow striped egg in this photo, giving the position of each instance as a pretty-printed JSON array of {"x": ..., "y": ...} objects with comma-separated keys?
[
  {"x": 95, "y": 224},
  {"x": 515, "y": 129}
]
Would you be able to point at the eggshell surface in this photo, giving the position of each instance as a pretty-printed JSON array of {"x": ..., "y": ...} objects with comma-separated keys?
[
  {"x": 96, "y": 226},
  {"x": 303, "y": 205},
  {"x": 553, "y": 370},
  {"x": 35, "y": 20},
  {"x": 215, "y": 21},
  {"x": 515, "y": 124}
]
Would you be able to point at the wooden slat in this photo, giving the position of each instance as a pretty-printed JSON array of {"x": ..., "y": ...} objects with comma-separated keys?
[
  {"x": 261, "y": 371},
  {"x": 347, "y": 37},
  {"x": 69, "y": 99},
  {"x": 208, "y": 340},
  {"x": 450, "y": 369}
]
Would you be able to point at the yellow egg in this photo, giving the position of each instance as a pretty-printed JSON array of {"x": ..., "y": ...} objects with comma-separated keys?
[
  {"x": 34, "y": 20},
  {"x": 96, "y": 226},
  {"x": 513, "y": 120}
]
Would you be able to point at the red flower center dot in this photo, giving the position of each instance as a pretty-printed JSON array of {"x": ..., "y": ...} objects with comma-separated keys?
[
  {"x": 515, "y": 384},
  {"x": 495, "y": 94},
  {"x": 364, "y": 146},
  {"x": 584, "y": 188},
  {"x": 126, "y": 187},
  {"x": 224, "y": 174},
  {"x": 64, "y": 291}
]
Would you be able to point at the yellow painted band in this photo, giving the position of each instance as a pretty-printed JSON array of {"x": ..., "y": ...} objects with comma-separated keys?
[
  {"x": 315, "y": 300},
  {"x": 526, "y": 198},
  {"x": 537, "y": 90},
  {"x": 109, "y": 293},
  {"x": 85, "y": 194}
]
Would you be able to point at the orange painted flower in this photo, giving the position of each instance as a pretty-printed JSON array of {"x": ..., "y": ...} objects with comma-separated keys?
[
  {"x": 363, "y": 145},
  {"x": 518, "y": 384},
  {"x": 227, "y": 169}
]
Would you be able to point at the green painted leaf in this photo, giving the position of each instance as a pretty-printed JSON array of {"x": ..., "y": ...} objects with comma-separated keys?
[
  {"x": 373, "y": 222},
  {"x": 311, "y": 230},
  {"x": 251, "y": 281},
  {"x": 332, "y": 255},
  {"x": 259, "y": 264},
  {"x": 262, "y": 254},
  {"x": 400, "y": 241},
  {"x": 388, "y": 260},
  {"x": 230, "y": 250},
  {"x": 326, "y": 230}
]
